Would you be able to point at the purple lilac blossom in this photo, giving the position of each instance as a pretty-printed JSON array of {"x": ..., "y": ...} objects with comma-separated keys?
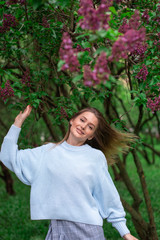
[
  {"x": 8, "y": 21},
  {"x": 145, "y": 16},
  {"x": 10, "y": 2},
  {"x": 45, "y": 22},
  {"x": 154, "y": 105},
  {"x": 26, "y": 79},
  {"x": 100, "y": 72},
  {"x": 94, "y": 19},
  {"x": 6, "y": 92},
  {"x": 68, "y": 54},
  {"x": 127, "y": 43},
  {"x": 142, "y": 73}
]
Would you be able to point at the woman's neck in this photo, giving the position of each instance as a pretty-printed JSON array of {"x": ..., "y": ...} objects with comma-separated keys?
[{"x": 74, "y": 142}]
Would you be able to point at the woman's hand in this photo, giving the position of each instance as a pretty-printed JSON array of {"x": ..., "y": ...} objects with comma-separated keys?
[
  {"x": 22, "y": 116},
  {"x": 129, "y": 237}
]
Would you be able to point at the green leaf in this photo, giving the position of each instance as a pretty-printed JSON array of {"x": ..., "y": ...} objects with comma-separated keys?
[
  {"x": 148, "y": 62},
  {"x": 19, "y": 94},
  {"x": 53, "y": 33},
  {"x": 84, "y": 57},
  {"x": 60, "y": 64},
  {"x": 133, "y": 91},
  {"x": 93, "y": 37},
  {"x": 37, "y": 3},
  {"x": 102, "y": 33},
  {"x": 112, "y": 79},
  {"x": 110, "y": 34},
  {"x": 155, "y": 57},
  {"x": 77, "y": 78},
  {"x": 113, "y": 10},
  {"x": 37, "y": 101},
  {"x": 101, "y": 49},
  {"x": 82, "y": 36},
  {"x": 108, "y": 84},
  {"x": 62, "y": 4},
  {"x": 86, "y": 44},
  {"x": 140, "y": 100}
]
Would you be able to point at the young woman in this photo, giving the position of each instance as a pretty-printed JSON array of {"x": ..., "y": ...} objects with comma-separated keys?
[{"x": 70, "y": 182}]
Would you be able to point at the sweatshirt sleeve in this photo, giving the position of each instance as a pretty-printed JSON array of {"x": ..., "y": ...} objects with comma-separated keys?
[
  {"x": 108, "y": 200},
  {"x": 24, "y": 163}
]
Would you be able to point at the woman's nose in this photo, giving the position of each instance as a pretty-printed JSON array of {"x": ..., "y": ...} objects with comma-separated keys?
[{"x": 83, "y": 126}]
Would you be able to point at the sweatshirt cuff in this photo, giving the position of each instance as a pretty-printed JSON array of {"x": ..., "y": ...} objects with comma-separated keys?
[
  {"x": 121, "y": 228},
  {"x": 13, "y": 133}
]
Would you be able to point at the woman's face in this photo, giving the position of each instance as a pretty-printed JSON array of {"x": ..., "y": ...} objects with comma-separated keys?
[{"x": 82, "y": 128}]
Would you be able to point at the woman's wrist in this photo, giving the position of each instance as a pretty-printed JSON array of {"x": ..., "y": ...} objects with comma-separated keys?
[
  {"x": 126, "y": 236},
  {"x": 18, "y": 124}
]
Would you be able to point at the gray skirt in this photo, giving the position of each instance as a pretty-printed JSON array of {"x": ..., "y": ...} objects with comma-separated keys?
[{"x": 67, "y": 230}]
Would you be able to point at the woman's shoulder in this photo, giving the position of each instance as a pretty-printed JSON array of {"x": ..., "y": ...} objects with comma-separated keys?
[
  {"x": 47, "y": 146},
  {"x": 97, "y": 153}
]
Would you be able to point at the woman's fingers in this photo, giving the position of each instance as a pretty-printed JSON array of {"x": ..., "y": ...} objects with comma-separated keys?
[
  {"x": 26, "y": 111},
  {"x": 22, "y": 116}
]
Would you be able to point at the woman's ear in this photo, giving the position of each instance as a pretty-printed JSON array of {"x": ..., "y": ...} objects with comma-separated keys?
[
  {"x": 91, "y": 138},
  {"x": 70, "y": 122}
]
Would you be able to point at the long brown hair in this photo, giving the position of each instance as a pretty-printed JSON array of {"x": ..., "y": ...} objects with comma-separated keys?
[{"x": 106, "y": 138}]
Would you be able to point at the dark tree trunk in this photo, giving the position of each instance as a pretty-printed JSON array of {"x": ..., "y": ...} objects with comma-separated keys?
[
  {"x": 151, "y": 233},
  {"x": 7, "y": 179}
]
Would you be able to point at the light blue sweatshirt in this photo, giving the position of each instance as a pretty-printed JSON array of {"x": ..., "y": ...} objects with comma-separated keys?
[{"x": 67, "y": 182}]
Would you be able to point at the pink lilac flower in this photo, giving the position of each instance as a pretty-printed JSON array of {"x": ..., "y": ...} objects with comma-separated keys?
[
  {"x": 26, "y": 79},
  {"x": 142, "y": 73},
  {"x": 68, "y": 54},
  {"x": 45, "y": 22},
  {"x": 63, "y": 113},
  {"x": 127, "y": 43},
  {"x": 8, "y": 21},
  {"x": 2, "y": 29},
  {"x": 124, "y": 27},
  {"x": 10, "y": 2},
  {"x": 22, "y": 2},
  {"x": 94, "y": 19},
  {"x": 154, "y": 104},
  {"x": 6, "y": 92},
  {"x": 130, "y": 28},
  {"x": 100, "y": 72},
  {"x": 90, "y": 78},
  {"x": 80, "y": 49},
  {"x": 132, "y": 23},
  {"x": 145, "y": 16},
  {"x": 159, "y": 7},
  {"x": 101, "y": 67},
  {"x": 157, "y": 42},
  {"x": 140, "y": 50}
]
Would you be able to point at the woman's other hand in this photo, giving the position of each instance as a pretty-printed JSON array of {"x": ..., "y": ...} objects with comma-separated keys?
[
  {"x": 22, "y": 116},
  {"x": 129, "y": 237}
]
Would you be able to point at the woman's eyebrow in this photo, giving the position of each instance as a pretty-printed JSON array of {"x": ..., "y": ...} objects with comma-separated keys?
[{"x": 87, "y": 119}]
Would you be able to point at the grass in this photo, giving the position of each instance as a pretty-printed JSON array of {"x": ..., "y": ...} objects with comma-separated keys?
[{"x": 15, "y": 223}]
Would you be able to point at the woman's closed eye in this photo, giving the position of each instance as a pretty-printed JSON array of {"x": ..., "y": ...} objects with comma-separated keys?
[{"x": 82, "y": 120}]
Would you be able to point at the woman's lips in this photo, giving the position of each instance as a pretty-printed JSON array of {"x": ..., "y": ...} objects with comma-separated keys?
[{"x": 79, "y": 131}]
